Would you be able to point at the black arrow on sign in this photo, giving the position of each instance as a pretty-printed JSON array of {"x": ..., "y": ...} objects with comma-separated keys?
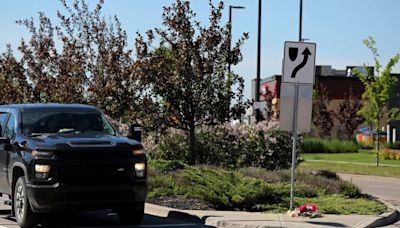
[{"x": 306, "y": 53}]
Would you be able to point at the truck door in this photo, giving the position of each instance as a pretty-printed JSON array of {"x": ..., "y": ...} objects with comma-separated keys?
[{"x": 3, "y": 155}]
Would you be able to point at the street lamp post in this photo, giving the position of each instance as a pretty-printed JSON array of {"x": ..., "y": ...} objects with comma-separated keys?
[
  {"x": 229, "y": 48},
  {"x": 230, "y": 33}
]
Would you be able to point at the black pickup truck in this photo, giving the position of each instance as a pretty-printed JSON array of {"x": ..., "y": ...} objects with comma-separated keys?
[{"x": 58, "y": 157}]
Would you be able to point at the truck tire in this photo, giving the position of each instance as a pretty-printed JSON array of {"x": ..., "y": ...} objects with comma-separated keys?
[
  {"x": 23, "y": 213},
  {"x": 131, "y": 214}
]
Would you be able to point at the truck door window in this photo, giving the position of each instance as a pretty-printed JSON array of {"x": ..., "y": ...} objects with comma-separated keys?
[
  {"x": 10, "y": 130},
  {"x": 3, "y": 118}
]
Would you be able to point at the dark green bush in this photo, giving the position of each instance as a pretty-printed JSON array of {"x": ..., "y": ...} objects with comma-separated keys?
[
  {"x": 227, "y": 146},
  {"x": 327, "y": 174},
  {"x": 165, "y": 166},
  {"x": 247, "y": 189},
  {"x": 350, "y": 190},
  {"x": 313, "y": 145}
]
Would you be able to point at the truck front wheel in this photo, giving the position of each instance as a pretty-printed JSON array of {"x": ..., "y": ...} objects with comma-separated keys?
[
  {"x": 131, "y": 214},
  {"x": 23, "y": 213}
]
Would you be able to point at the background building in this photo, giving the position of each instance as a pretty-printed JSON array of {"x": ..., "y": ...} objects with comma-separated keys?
[{"x": 338, "y": 83}]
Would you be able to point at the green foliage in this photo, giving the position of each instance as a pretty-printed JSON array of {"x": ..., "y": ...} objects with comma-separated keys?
[
  {"x": 222, "y": 189},
  {"x": 14, "y": 83},
  {"x": 80, "y": 57},
  {"x": 255, "y": 189},
  {"x": 354, "y": 168},
  {"x": 227, "y": 146},
  {"x": 185, "y": 73},
  {"x": 377, "y": 88},
  {"x": 166, "y": 166},
  {"x": 350, "y": 190},
  {"x": 394, "y": 114},
  {"x": 315, "y": 145},
  {"x": 268, "y": 149},
  {"x": 337, "y": 204},
  {"x": 172, "y": 146},
  {"x": 219, "y": 145}
]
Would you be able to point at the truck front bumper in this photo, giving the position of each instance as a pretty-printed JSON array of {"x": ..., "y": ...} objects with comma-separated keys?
[{"x": 59, "y": 197}]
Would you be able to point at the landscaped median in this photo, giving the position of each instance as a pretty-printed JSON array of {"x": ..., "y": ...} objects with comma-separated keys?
[{"x": 177, "y": 185}]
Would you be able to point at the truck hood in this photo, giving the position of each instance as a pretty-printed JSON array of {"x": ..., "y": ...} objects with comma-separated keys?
[{"x": 83, "y": 142}]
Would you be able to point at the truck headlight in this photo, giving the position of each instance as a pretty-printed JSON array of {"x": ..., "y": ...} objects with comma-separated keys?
[
  {"x": 42, "y": 171},
  {"x": 140, "y": 169}
]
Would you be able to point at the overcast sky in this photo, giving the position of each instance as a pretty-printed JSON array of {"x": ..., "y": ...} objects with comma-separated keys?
[{"x": 337, "y": 26}]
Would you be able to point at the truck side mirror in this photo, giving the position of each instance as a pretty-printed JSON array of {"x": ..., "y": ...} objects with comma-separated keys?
[{"x": 135, "y": 132}]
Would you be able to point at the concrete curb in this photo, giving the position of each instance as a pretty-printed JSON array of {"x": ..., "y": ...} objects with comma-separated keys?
[
  {"x": 167, "y": 212},
  {"x": 160, "y": 211},
  {"x": 383, "y": 219}
]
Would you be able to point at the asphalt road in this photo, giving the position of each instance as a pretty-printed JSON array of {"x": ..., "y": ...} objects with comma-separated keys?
[
  {"x": 386, "y": 188},
  {"x": 105, "y": 219}
]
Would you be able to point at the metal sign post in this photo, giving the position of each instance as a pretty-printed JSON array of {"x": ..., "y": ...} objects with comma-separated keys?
[
  {"x": 296, "y": 96},
  {"x": 294, "y": 145}
]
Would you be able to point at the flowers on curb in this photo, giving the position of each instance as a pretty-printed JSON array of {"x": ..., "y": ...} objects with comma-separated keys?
[{"x": 306, "y": 210}]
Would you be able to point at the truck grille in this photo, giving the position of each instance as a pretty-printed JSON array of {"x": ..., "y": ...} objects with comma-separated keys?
[{"x": 95, "y": 172}]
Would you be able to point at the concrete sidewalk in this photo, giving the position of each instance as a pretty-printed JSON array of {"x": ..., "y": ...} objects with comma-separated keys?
[{"x": 259, "y": 220}]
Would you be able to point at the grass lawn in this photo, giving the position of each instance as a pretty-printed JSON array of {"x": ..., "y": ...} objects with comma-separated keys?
[
  {"x": 352, "y": 168},
  {"x": 363, "y": 156}
]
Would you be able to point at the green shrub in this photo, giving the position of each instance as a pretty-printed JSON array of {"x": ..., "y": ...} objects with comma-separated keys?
[
  {"x": 350, "y": 190},
  {"x": 169, "y": 146},
  {"x": 327, "y": 174},
  {"x": 308, "y": 184},
  {"x": 233, "y": 190},
  {"x": 267, "y": 149},
  {"x": 165, "y": 166},
  {"x": 337, "y": 204},
  {"x": 219, "y": 145},
  {"x": 313, "y": 145},
  {"x": 223, "y": 190},
  {"x": 227, "y": 146}
]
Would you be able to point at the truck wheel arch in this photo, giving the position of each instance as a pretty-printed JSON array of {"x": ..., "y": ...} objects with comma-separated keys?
[{"x": 17, "y": 171}]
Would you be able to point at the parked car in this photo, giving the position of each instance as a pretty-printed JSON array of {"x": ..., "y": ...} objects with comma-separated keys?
[{"x": 59, "y": 157}]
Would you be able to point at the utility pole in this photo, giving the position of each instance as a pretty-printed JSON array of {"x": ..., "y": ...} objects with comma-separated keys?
[{"x": 257, "y": 90}]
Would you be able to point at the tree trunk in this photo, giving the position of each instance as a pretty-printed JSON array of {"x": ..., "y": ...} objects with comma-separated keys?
[{"x": 192, "y": 138}]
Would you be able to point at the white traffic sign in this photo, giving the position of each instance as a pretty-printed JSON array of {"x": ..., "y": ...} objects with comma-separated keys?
[
  {"x": 299, "y": 62},
  {"x": 304, "y": 107}
]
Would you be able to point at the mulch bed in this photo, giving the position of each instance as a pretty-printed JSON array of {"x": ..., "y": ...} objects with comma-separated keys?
[{"x": 179, "y": 202}]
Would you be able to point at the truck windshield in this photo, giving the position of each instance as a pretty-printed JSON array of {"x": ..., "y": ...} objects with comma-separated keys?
[{"x": 39, "y": 122}]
